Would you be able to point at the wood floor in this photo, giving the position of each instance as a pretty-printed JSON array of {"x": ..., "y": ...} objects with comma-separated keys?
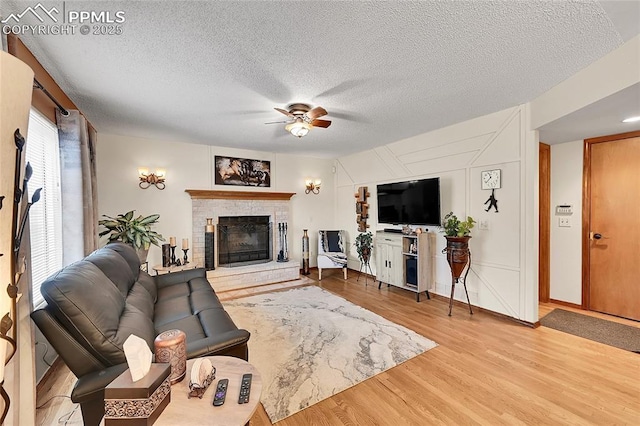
[{"x": 487, "y": 370}]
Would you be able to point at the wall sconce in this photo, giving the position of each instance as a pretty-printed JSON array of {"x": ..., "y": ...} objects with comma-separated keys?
[
  {"x": 312, "y": 186},
  {"x": 147, "y": 179}
]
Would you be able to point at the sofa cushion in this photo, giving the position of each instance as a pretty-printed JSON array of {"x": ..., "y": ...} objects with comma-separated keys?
[
  {"x": 189, "y": 324},
  {"x": 140, "y": 298},
  {"x": 215, "y": 321},
  {"x": 114, "y": 266},
  {"x": 170, "y": 310},
  {"x": 132, "y": 321},
  {"x": 147, "y": 282},
  {"x": 128, "y": 253},
  {"x": 183, "y": 299},
  {"x": 175, "y": 291},
  {"x": 94, "y": 311},
  {"x": 207, "y": 323},
  {"x": 88, "y": 305}
]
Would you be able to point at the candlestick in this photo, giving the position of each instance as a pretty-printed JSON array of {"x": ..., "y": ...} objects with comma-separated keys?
[
  {"x": 172, "y": 241},
  {"x": 185, "y": 243},
  {"x": 186, "y": 260},
  {"x": 173, "y": 255}
]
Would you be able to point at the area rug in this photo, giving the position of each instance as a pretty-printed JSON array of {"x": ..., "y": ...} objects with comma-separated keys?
[
  {"x": 309, "y": 344},
  {"x": 608, "y": 332}
]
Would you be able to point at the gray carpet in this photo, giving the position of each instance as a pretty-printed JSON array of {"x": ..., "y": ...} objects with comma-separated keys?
[{"x": 608, "y": 332}]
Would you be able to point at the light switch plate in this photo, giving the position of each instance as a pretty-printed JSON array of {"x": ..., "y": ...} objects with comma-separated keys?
[{"x": 483, "y": 225}]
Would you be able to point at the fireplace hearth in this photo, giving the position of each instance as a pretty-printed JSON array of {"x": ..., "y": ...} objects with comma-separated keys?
[{"x": 244, "y": 240}]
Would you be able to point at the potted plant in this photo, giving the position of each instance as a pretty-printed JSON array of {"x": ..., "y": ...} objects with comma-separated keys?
[
  {"x": 457, "y": 233},
  {"x": 363, "y": 244},
  {"x": 132, "y": 230}
]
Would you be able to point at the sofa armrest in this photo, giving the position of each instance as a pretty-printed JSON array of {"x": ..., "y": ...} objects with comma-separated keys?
[
  {"x": 91, "y": 386},
  {"x": 216, "y": 344},
  {"x": 79, "y": 360},
  {"x": 165, "y": 280}
]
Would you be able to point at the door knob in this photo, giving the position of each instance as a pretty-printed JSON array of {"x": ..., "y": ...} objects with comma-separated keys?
[{"x": 597, "y": 236}]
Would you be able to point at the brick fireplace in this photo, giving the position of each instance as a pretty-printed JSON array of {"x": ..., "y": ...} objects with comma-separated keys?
[{"x": 271, "y": 207}]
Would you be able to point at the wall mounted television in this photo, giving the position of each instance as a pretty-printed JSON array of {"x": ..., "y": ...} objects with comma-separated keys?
[{"x": 415, "y": 202}]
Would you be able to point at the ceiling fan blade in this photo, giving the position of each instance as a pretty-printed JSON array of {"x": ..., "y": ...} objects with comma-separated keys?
[
  {"x": 278, "y": 122},
  {"x": 321, "y": 123},
  {"x": 284, "y": 111},
  {"x": 316, "y": 112}
]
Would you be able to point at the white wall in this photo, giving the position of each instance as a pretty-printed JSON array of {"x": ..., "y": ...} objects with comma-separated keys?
[
  {"x": 190, "y": 166},
  {"x": 503, "y": 277},
  {"x": 566, "y": 243}
]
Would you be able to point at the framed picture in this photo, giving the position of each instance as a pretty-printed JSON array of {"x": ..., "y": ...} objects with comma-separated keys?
[{"x": 242, "y": 172}]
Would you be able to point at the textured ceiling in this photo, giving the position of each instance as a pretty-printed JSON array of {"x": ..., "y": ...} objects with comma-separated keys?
[{"x": 212, "y": 72}]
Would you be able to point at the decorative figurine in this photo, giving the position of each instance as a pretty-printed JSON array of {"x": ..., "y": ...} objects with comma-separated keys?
[{"x": 493, "y": 202}]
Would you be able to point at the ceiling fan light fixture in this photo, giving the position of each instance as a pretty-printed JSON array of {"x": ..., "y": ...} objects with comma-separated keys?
[{"x": 299, "y": 128}]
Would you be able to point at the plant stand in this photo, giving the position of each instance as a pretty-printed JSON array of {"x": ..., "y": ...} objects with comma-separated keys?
[
  {"x": 363, "y": 266},
  {"x": 459, "y": 259},
  {"x": 455, "y": 280}
]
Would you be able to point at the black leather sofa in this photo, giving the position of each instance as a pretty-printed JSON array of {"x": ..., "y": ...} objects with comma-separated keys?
[{"x": 93, "y": 305}]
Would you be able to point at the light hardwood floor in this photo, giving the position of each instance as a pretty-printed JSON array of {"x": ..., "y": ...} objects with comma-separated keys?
[{"x": 486, "y": 370}]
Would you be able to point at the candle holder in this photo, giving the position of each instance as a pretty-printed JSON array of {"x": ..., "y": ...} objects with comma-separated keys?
[
  {"x": 173, "y": 255},
  {"x": 185, "y": 259}
]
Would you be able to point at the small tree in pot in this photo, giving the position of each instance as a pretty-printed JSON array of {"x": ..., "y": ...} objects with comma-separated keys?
[{"x": 132, "y": 230}]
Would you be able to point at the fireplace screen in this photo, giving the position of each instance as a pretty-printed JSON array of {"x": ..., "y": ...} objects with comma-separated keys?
[{"x": 244, "y": 240}]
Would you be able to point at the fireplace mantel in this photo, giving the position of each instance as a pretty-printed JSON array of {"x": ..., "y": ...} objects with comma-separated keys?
[{"x": 205, "y": 194}]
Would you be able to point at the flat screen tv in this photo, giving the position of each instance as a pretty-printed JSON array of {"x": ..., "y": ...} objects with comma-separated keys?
[{"x": 415, "y": 202}]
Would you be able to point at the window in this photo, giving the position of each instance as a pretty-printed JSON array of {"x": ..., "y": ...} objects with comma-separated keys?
[{"x": 45, "y": 217}]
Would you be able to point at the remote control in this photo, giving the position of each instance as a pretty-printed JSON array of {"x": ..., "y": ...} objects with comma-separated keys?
[
  {"x": 221, "y": 392},
  {"x": 245, "y": 388}
]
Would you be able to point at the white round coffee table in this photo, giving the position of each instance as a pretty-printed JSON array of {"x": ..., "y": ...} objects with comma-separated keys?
[{"x": 196, "y": 411}]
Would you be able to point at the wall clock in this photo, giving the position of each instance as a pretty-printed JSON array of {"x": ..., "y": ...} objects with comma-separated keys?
[{"x": 491, "y": 179}]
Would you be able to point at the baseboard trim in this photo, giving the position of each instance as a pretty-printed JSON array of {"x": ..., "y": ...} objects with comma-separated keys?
[
  {"x": 311, "y": 268},
  {"x": 488, "y": 311},
  {"x": 568, "y": 304},
  {"x": 362, "y": 274}
]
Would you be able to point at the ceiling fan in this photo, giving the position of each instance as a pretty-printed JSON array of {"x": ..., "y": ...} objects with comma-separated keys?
[{"x": 302, "y": 119}]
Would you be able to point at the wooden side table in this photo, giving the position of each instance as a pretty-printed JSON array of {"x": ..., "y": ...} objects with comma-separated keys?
[
  {"x": 169, "y": 269},
  {"x": 183, "y": 410}
]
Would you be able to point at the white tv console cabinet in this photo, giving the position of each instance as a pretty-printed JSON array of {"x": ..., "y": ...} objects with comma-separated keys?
[{"x": 405, "y": 261}]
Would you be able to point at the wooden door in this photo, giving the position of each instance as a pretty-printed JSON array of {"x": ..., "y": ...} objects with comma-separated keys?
[
  {"x": 544, "y": 228},
  {"x": 614, "y": 222}
]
